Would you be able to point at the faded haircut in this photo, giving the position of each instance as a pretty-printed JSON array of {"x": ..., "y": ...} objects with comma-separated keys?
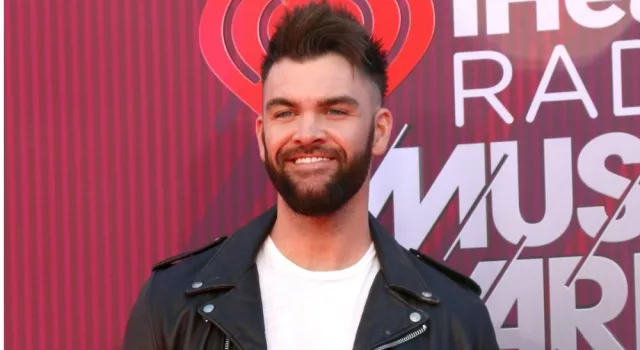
[{"x": 318, "y": 28}]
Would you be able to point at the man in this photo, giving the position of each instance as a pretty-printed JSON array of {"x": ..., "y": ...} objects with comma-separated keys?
[{"x": 316, "y": 271}]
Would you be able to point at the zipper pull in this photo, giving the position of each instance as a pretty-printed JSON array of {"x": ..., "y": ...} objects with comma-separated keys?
[{"x": 404, "y": 339}]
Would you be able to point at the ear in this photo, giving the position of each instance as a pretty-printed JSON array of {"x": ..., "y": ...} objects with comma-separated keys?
[
  {"x": 383, "y": 123},
  {"x": 259, "y": 132}
]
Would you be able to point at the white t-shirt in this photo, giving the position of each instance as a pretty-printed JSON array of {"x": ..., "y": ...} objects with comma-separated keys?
[{"x": 312, "y": 309}]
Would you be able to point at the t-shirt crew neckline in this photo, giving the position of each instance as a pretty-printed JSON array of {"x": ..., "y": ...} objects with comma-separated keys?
[{"x": 280, "y": 261}]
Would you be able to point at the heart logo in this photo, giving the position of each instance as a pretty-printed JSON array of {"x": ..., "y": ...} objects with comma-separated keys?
[{"x": 233, "y": 36}]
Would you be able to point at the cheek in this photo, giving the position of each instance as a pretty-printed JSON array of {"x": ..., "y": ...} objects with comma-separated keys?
[
  {"x": 350, "y": 145},
  {"x": 354, "y": 138},
  {"x": 273, "y": 142}
]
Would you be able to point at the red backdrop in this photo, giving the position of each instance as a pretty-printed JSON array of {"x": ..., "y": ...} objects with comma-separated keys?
[{"x": 125, "y": 144}]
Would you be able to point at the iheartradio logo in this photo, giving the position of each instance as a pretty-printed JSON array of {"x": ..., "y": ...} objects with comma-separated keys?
[{"x": 234, "y": 35}]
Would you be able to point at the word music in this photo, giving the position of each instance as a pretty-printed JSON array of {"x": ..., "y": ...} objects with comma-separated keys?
[
  {"x": 464, "y": 176},
  {"x": 485, "y": 179}
]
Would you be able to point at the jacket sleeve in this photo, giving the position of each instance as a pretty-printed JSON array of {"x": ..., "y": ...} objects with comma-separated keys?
[
  {"x": 140, "y": 332},
  {"x": 487, "y": 335}
]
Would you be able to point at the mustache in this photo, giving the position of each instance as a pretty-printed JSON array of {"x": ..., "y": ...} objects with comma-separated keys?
[{"x": 320, "y": 151}]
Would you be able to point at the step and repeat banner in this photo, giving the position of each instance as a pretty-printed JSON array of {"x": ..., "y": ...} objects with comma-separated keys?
[{"x": 515, "y": 156}]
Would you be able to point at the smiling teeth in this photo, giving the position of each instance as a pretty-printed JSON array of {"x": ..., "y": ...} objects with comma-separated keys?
[{"x": 310, "y": 160}]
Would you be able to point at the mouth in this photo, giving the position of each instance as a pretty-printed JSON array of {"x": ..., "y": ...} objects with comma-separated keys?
[{"x": 310, "y": 160}]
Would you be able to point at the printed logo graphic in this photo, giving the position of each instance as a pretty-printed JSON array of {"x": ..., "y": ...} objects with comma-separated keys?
[{"x": 234, "y": 35}]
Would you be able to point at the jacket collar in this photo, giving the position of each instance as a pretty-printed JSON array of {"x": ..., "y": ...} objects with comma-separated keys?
[
  {"x": 237, "y": 254},
  {"x": 238, "y": 313}
]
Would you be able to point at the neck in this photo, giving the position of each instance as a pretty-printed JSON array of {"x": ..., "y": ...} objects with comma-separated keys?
[{"x": 324, "y": 243}]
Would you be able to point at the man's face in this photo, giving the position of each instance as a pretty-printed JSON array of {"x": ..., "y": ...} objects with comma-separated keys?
[{"x": 320, "y": 128}]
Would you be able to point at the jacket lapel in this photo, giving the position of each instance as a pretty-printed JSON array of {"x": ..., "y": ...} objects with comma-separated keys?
[
  {"x": 232, "y": 272},
  {"x": 386, "y": 317},
  {"x": 238, "y": 313},
  {"x": 398, "y": 299}
]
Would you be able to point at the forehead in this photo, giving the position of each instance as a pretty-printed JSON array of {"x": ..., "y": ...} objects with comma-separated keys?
[{"x": 316, "y": 79}]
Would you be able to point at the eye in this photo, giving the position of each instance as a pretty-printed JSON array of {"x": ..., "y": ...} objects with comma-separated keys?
[
  {"x": 336, "y": 111},
  {"x": 283, "y": 114}
]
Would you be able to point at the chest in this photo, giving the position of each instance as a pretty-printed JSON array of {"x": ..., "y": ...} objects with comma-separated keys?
[{"x": 313, "y": 313}]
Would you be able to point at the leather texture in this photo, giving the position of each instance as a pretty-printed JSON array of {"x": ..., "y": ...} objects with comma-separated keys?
[{"x": 211, "y": 296}]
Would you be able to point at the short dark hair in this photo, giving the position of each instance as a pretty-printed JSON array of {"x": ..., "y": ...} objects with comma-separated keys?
[{"x": 317, "y": 28}]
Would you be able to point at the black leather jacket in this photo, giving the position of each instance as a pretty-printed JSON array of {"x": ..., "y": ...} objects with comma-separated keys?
[{"x": 210, "y": 299}]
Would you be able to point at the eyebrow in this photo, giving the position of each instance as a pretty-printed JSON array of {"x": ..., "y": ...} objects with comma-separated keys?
[
  {"x": 330, "y": 101},
  {"x": 339, "y": 100},
  {"x": 279, "y": 101}
]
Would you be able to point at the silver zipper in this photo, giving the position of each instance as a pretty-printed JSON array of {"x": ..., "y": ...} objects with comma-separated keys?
[
  {"x": 227, "y": 343},
  {"x": 404, "y": 339}
]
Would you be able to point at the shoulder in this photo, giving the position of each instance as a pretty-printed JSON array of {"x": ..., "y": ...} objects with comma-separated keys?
[
  {"x": 171, "y": 277},
  {"x": 431, "y": 268},
  {"x": 184, "y": 256},
  {"x": 162, "y": 296}
]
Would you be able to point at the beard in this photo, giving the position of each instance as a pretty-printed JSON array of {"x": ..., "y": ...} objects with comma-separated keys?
[{"x": 326, "y": 198}]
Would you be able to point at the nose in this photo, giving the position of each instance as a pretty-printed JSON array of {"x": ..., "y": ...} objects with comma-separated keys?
[{"x": 309, "y": 130}]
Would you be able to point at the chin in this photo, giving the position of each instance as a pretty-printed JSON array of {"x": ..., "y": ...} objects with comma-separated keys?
[
  {"x": 312, "y": 195},
  {"x": 312, "y": 203},
  {"x": 311, "y": 186}
]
